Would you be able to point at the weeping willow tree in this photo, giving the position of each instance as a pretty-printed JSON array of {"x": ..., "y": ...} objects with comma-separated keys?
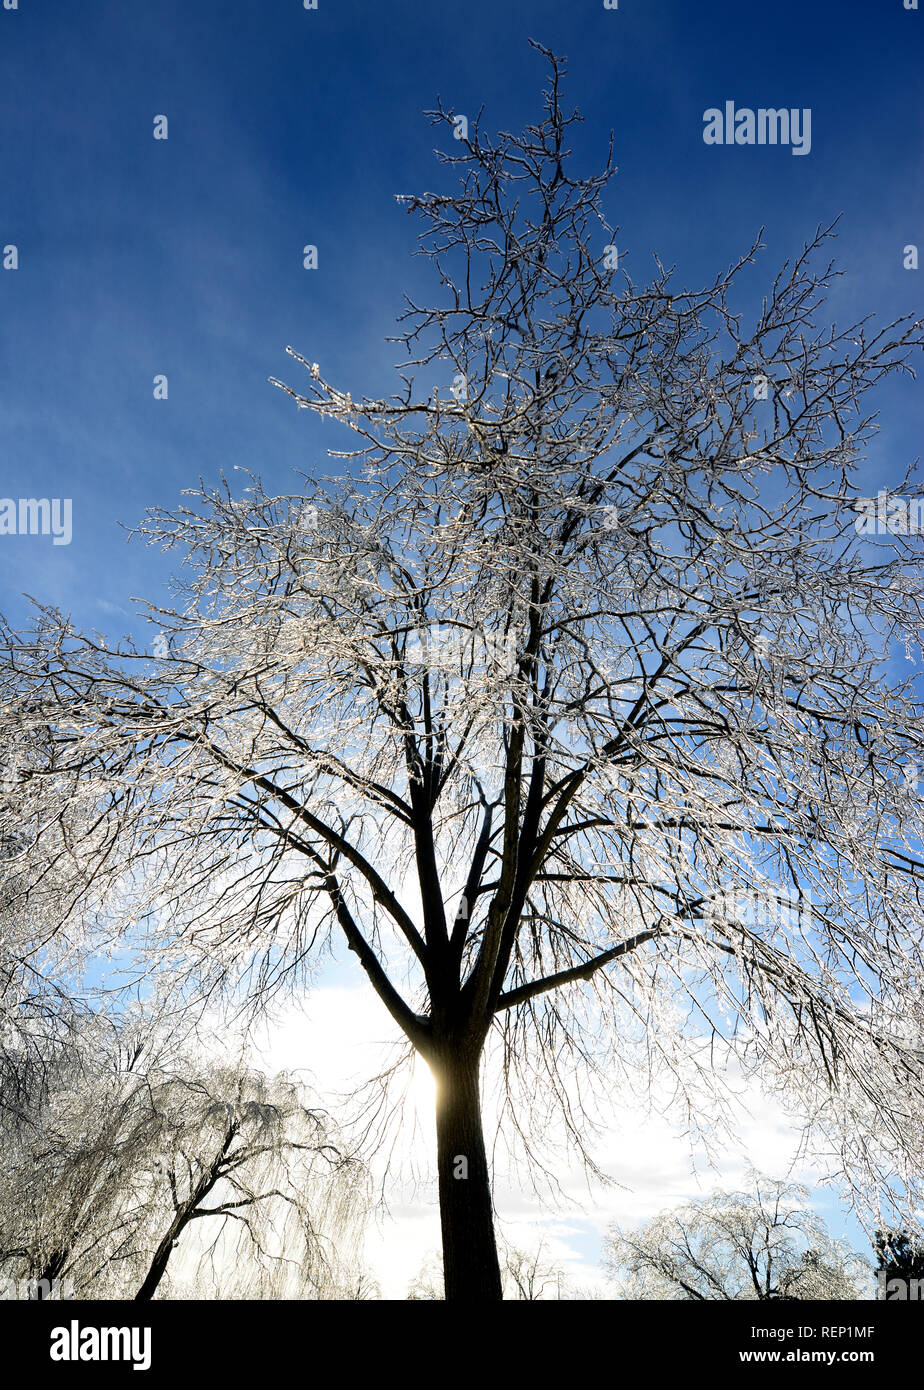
[
  {"x": 134, "y": 1141},
  {"x": 567, "y": 708},
  {"x": 281, "y": 1204}
]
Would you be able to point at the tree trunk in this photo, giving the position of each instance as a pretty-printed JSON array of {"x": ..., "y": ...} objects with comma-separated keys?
[
  {"x": 470, "y": 1265},
  {"x": 44, "y": 1283},
  {"x": 160, "y": 1261},
  {"x": 184, "y": 1213}
]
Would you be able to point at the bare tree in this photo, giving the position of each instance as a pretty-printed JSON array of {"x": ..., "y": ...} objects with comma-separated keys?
[
  {"x": 527, "y": 1276},
  {"x": 131, "y": 1138},
  {"x": 567, "y": 708},
  {"x": 38, "y": 1015},
  {"x": 427, "y": 1285},
  {"x": 248, "y": 1153},
  {"x": 72, "y": 1149},
  {"x": 532, "y": 1276},
  {"x": 765, "y": 1244}
]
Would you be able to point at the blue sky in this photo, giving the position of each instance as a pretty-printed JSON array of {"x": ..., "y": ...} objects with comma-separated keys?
[
  {"x": 139, "y": 257},
  {"x": 288, "y": 126}
]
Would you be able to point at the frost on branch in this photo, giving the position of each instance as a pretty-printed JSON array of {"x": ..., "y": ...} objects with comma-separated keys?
[{"x": 671, "y": 824}]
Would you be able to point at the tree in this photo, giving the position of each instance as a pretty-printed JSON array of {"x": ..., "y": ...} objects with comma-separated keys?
[
  {"x": 566, "y": 709},
  {"x": 532, "y": 1276},
  {"x": 247, "y": 1151},
  {"x": 71, "y": 1151},
  {"x": 134, "y": 1137},
  {"x": 764, "y": 1245},
  {"x": 38, "y": 1015},
  {"x": 427, "y": 1286},
  {"x": 899, "y": 1255}
]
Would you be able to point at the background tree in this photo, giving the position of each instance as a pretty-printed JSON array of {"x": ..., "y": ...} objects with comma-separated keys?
[
  {"x": 899, "y": 1255},
  {"x": 568, "y": 709},
  {"x": 71, "y": 1152},
  {"x": 765, "y": 1244},
  {"x": 528, "y": 1276},
  {"x": 427, "y": 1285},
  {"x": 245, "y": 1151},
  {"x": 132, "y": 1138},
  {"x": 39, "y": 1017}
]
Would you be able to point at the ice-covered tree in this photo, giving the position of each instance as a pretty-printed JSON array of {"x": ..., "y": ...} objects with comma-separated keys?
[
  {"x": 278, "y": 1198},
  {"x": 127, "y": 1140},
  {"x": 898, "y": 1255},
  {"x": 763, "y": 1244},
  {"x": 574, "y": 708}
]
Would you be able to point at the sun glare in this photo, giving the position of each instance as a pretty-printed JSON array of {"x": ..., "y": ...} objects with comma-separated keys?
[{"x": 421, "y": 1091}]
